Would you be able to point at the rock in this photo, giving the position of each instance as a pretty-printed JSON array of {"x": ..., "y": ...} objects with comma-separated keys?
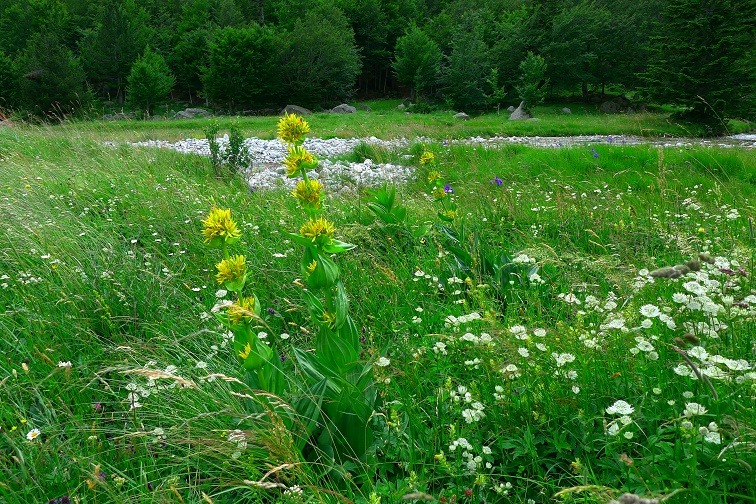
[
  {"x": 520, "y": 113},
  {"x": 462, "y": 116},
  {"x": 610, "y": 107},
  {"x": 191, "y": 113},
  {"x": 343, "y": 109},
  {"x": 401, "y": 106},
  {"x": 630, "y": 110},
  {"x": 511, "y": 108},
  {"x": 566, "y": 110},
  {"x": 118, "y": 116},
  {"x": 363, "y": 107},
  {"x": 6, "y": 123},
  {"x": 295, "y": 109}
]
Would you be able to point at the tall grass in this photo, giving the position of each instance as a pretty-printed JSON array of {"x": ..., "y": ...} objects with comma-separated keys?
[{"x": 109, "y": 349}]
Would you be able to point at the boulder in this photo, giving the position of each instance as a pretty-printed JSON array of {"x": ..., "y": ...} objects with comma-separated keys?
[
  {"x": 118, "y": 116},
  {"x": 462, "y": 116},
  {"x": 363, "y": 107},
  {"x": 511, "y": 108},
  {"x": 401, "y": 106},
  {"x": 295, "y": 109},
  {"x": 566, "y": 110},
  {"x": 191, "y": 113},
  {"x": 343, "y": 109},
  {"x": 610, "y": 107},
  {"x": 520, "y": 113}
]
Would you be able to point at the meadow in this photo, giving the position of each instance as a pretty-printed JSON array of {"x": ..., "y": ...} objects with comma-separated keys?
[{"x": 531, "y": 325}]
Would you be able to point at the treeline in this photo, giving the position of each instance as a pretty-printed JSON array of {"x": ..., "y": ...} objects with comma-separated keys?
[{"x": 57, "y": 56}]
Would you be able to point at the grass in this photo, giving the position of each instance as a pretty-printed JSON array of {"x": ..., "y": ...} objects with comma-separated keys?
[
  {"x": 385, "y": 121},
  {"x": 102, "y": 266}
]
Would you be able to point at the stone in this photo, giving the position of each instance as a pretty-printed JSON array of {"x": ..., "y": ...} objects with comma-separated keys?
[
  {"x": 118, "y": 116},
  {"x": 566, "y": 110},
  {"x": 343, "y": 109},
  {"x": 462, "y": 116},
  {"x": 401, "y": 106},
  {"x": 610, "y": 107},
  {"x": 191, "y": 113},
  {"x": 511, "y": 108},
  {"x": 295, "y": 109},
  {"x": 520, "y": 113},
  {"x": 364, "y": 108}
]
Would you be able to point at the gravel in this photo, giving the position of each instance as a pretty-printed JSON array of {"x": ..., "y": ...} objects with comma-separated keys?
[{"x": 267, "y": 171}]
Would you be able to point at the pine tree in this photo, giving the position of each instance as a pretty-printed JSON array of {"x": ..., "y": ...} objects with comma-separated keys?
[
  {"x": 703, "y": 59},
  {"x": 149, "y": 82}
]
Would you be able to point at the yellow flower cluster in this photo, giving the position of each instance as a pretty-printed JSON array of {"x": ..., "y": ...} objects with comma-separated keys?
[
  {"x": 427, "y": 157},
  {"x": 433, "y": 176},
  {"x": 318, "y": 231},
  {"x": 292, "y": 129},
  {"x": 297, "y": 160},
  {"x": 219, "y": 226},
  {"x": 241, "y": 311},
  {"x": 438, "y": 193},
  {"x": 307, "y": 193},
  {"x": 231, "y": 269}
]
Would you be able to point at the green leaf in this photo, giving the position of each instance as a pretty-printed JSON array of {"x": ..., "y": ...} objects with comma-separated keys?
[
  {"x": 336, "y": 247},
  {"x": 335, "y": 351},
  {"x": 299, "y": 239},
  {"x": 325, "y": 275},
  {"x": 308, "y": 408},
  {"x": 342, "y": 305}
]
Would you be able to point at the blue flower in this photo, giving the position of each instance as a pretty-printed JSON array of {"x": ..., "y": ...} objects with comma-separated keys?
[
  {"x": 595, "y": 154},
  {"x": 448, "y": 189},
  {"x": 497, "y": 181}
]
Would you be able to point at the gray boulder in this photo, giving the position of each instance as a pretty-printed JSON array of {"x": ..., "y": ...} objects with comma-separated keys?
[
  {"x": 343, "y": 109},
  {"x": 401, "y": 106},
  {"x": 191, "y": 113},
  {"x": 511, "y": 108},
  {"x": 118, "y": 116},
  {"x": 610, "y": 107},
  {"x": 566, "y": 110},
  {"x": 295, "y": 109},
  {"x": 520, "y": 113},
  {"x": 461, "y": 116}
]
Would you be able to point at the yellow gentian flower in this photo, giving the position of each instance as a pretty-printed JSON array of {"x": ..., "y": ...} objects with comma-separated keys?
[
  {"x": 292, "y": 129},
  {"x": 219, "y": 228}
]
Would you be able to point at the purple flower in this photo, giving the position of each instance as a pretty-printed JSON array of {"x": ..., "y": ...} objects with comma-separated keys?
[
  {"x": 610, "y": 139},
  {"x": 448, "y": 189},
  {"x": 445, "y": 143},
  {"x": 497, "y": 181},
  {"x": 595, "y": 154}
]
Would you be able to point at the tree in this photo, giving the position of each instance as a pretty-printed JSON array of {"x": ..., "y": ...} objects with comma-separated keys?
[
  {"x": 464, "y": 77},
  {"x": 109, "y": 49},
  {"x": 189, "y": 56},
  {"x": 53, "y": 80},
  {"x": 532, "y": 86},
  {"x": 243, "y": 69},
  {"x": 149, "y": 82},
  {"x": 8, "y": 80},
  {"x": 417, "y": 62},
  {"x": 704, "y": 60},
  {"x": 321, "y": 60}
]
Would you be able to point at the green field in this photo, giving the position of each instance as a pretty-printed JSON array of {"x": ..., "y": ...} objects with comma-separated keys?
[{"x": 521, "y": 352}]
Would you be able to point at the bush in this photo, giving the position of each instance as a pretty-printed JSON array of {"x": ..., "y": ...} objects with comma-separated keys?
[
  {"x": 7, "y": 82},
  {"x": 149, "y": 82},
  {"x": 243, "y": 69},
  {"x": 464, "y": 77},
  {"x": 417, "y": 62}
]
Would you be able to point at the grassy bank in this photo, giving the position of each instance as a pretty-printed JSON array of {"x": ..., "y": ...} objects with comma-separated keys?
[{"x": 591, "y": 378}]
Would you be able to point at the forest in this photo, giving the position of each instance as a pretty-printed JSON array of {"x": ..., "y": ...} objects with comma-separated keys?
[{"x": 65, "y": 57}]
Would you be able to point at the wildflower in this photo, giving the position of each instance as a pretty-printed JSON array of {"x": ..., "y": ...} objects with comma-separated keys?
[
  {"x": 66, "y": 364},
  {"x": 693, "y": 409},
  {"x": 329, "y": 318},
  {"x": 650, "y": 311},
  {"x": 433, "y": 176},
  {"x": 232, "y": 269},
  {"x": 241, "y": 311},
  {"x": 307, "y": 193},
  {"x": 448, "y": 215},
  {"x": 427, "y": 157},
  {"x": 383, "y": 362},
  {"x": 319, "y": 231},
  {"x": 438, "y": 193},
  {"x": 219, "y": 228},
  {"x": 448, "y": 189},
  {"x": 244, "y": 353},
  {"x": 620, "y": 408},
  {"x": 33, "y": 434},
  {"x": 292, "y": 129},
  {"x": 497, "y": 181},
  {"x": 298, "y": 160}
]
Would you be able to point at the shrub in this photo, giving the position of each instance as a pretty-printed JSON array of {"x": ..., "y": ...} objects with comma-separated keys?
[
  {"x": 532, "y": 86},
  {"x": 149, "y": 82}
]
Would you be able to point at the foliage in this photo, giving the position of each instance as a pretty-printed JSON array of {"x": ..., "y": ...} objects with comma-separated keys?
[
  {"x": 417, "y": 62},
  {"x": 703, "y": 60},
  {"x": 8, "y": 81},
  {"x": 532, "y": 85},
  {"x": 53, "y": 79},
  {"x": 463, "y": 79},
  {"x": 231, "y": 159},
  {"x": 321, "y": 59},
  {"x": 244, "y": 68},
  {"x": 118, "y": 36},
  {"x": 149, "y": 83},
  {"x": 189, "y": 56}
]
